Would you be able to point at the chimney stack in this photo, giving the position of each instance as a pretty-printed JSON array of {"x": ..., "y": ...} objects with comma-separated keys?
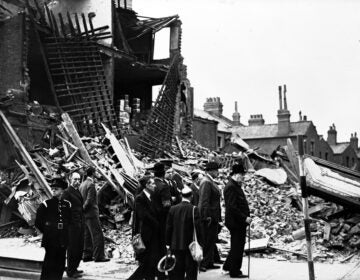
[
  {"x": 283, "y": 116},
  {"x": 236, "y": 116},
  {"x": 213, "y": 106},
  {"x": 256, "y": 120},
  {"x": 332, "y": 135},
  {"x": 354, "y": 141}
]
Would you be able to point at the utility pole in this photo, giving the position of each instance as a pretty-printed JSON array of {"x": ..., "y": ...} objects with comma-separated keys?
[{"x": 304, "y": 194}]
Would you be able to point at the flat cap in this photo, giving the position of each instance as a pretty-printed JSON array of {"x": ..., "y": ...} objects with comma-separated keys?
[{"x": 211, "y": 166}]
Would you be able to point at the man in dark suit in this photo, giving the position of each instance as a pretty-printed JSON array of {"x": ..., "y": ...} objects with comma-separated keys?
[
  {"x": 237, "y": 218},
  {"x": 94, "y": 238},
  {"x": 179, "y": 235},
  {"x": 147, "y": 224},
  {"x": 162, "y": 200},
  {"x": 52, "y": 219},
  {"x": 210, "y": 212},
  {"x": 196, "y": 176},
  {"x": 76, "y": 227}
]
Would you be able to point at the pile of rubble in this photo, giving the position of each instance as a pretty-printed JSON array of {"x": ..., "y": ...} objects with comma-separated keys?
[{"x": 275, "y": 208}]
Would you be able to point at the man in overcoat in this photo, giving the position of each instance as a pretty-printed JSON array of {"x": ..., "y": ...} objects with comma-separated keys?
[
  {"x": 146, "y": 222},
  {"x": 94, "y": 237},
  {"x": 210, "y": 212},
  {"x": 237, "y": 218},
  {"x": 76, "y": 226}
]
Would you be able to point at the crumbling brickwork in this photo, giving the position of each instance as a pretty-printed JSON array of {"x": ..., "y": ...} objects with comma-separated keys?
[{"x": 11, "y": 68}]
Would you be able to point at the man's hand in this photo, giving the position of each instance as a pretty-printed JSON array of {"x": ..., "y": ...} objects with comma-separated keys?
[
  {"x": 208, "y": 220},
  {"x": 248, "y": 220}
]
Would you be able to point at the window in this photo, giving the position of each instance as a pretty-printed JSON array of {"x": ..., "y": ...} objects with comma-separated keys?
[
  {"x": 219, "y": 142},
  {"x": 352, "y": 161},
  {"x": 319, "y": 154},
  {"x": 326, "y": 156},
  {"x": 347, "y": 161},
  {"x": 312, "y": 144}
]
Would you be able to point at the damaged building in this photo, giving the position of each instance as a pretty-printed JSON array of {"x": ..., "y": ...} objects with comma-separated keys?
[{"x": 93, "y": 61}]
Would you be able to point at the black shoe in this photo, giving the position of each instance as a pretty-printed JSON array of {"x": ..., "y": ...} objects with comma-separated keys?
[
  {"x": 238, "y": 276},
  {"x": 213, "y": 266},
  {"x": 79, "y": 271},
  {"x": 87, "y": 259},
  {"x": 74, "y": 275},
  {"x": 102, "y": 260},
  {"x": 202, "y": 268}
]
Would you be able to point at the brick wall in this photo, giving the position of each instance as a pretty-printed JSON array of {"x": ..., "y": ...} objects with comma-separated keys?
[
  {"x": 205, "y": 132},
  {"x": 11, "y": 43}
]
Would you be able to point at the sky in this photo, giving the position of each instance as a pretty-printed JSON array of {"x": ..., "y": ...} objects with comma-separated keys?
[{"x": 242, "y": 50}]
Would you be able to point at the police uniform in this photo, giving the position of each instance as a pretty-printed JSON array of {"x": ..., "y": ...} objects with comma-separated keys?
[{"x": 52, "y": 219}]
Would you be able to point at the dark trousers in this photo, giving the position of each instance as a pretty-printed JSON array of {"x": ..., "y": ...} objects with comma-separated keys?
[
  {"x": 54, "y": 263},
  {"x": 94, "y": 239},
  {"x": 144, "y": 271},
  {"x": 237, "y": 243},
  {"x": 185, "y": 265},
  {"x": 210, "y": 236},
  {"x": 148, "y": 261},
  {"x": 75, "y": 247}
]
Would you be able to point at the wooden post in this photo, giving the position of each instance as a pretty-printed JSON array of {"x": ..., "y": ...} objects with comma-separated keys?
[{"x": 304, "y": 194}]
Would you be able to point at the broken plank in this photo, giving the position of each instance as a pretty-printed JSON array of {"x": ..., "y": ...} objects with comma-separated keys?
[
  {"x": 69, "y": 126},
  {"x": 120, "y": 152},
  {"x": 257, "y": 245},
  {"x": 288, "y": 251}
]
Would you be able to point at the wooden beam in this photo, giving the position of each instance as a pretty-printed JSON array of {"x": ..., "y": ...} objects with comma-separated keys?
[{"x": 25, "y": 155}]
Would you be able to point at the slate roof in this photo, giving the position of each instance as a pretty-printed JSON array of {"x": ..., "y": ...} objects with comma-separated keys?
[
  {"x": 271, "y": 130},
  {"x": 223, "y": 125},
  {"x": 339, "y": 148}
]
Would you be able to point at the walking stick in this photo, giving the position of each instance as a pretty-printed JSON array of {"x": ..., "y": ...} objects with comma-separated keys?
[{"x": 249, "y": 254}]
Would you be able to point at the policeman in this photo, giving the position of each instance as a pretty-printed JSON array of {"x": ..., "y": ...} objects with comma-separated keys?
[{"x": 52, "y": 219}]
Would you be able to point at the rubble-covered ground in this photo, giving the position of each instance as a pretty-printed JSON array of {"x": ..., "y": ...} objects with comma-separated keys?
[{"x": 275, "y": 209}]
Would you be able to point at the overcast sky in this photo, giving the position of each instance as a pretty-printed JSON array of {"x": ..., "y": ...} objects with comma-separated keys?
[{"x": 242, "y": 50}]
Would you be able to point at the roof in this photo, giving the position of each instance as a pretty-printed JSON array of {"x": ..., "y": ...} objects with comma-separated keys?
[
  {"x": 339, "y": 148},
  {"x": 223, "y": 125},
  {"x": 271, "y": 130}
]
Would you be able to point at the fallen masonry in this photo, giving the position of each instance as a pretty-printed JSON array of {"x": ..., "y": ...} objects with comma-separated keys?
[{"x": 277, "y": 228}]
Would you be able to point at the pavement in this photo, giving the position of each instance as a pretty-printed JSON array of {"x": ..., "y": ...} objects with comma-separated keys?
[
  {"x": 121, "y": 269},
  {"x": 272, "y": 269}
]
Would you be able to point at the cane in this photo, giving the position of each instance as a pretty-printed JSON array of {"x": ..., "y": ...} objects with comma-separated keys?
[{"x": 249, "y": 255}]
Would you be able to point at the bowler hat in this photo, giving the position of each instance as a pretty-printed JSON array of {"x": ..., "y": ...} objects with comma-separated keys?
[
  {"x": 237, "y": 168},
  {"x": 212, "y": 165},
  {"x": 159, "y": 167}
]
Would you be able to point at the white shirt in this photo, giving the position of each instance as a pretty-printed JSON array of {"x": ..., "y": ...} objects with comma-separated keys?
[{"x": 147, "y": 194}]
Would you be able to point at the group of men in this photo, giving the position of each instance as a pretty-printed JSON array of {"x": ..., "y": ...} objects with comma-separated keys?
[
  {"x": 169, "y": 214},
  {"x": 71, "y": 227}
]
